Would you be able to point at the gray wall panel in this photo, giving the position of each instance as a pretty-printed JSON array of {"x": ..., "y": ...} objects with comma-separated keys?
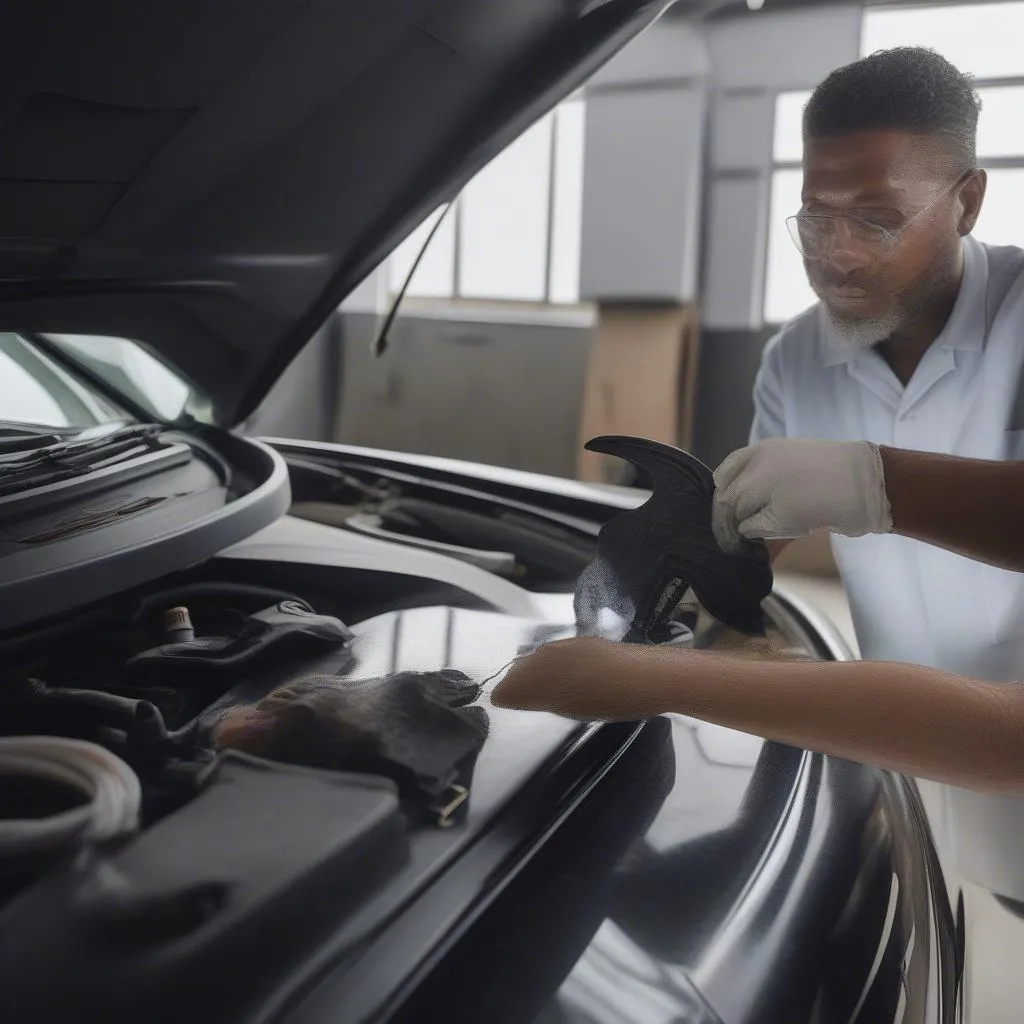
[
  {"x": 670, "y": 49},
  {"x": 724, "y": 413},
  {"x": 641, "y": 195},
  {"x": 741, "y": 131},
  {"x": 785, "y": 49},
  {"x": 735, "y": 255},
  {"x": 505, "y": 394}
]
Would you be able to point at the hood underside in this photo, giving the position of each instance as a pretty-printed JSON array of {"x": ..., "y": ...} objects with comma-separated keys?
[{"x": 212, "y": 177}]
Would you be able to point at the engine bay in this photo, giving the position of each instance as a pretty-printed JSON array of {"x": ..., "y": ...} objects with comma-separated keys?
[
  {"x": 214, "y": 762},
  {"x": 541, "y": 549},
  {"x": 305, "y": 713},
  {"x": 169, "y": 680},
  {"x": 159, "y": 683}
]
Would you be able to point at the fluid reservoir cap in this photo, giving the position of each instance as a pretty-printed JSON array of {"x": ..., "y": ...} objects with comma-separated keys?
[{"x": 177, "y": 624}]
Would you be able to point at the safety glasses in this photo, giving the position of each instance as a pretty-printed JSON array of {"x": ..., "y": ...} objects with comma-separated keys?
[{"x": 816, "y": 235}]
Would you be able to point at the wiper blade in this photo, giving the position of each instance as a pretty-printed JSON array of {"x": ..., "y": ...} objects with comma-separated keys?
[
  {"x": 18, "y": 437},
  {"x": 76, "y": 457},
  {"x": 12, "y": 443},
  {"x": 55, "y": 447}
]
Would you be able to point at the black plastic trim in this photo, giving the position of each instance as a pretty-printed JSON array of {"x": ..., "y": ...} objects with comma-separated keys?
[
  {"x": 83, "y": 569},
  {"x": 22, "y": 502}
]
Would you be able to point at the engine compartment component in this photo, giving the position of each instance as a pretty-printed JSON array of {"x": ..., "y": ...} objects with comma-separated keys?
[
  {"x": 207, "y": 908},
  {"x": 415, "y": 728},
  {"x": 290, "y": 623},
  {"x": 56, "y": 794},
  {"x": 539, "y": 548},
  {"x": 92, "y": 514}
]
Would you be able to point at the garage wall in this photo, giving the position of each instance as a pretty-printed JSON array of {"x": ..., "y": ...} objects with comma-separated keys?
[
  {"x": 502, "y": 393},
  {"x": 643, "y": 178},
  {"x": 676, "y": 196},
  {"x": 753, "y": 58}
]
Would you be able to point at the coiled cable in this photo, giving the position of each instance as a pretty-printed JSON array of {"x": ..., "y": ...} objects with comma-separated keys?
[{"x": 101, "y": 794}]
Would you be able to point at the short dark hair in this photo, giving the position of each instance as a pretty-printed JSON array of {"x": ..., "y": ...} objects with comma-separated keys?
[{"x": 909, "y": 89}]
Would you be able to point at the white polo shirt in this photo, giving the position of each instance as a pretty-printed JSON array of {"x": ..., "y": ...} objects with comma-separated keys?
[{"x": 910, "y": 601}]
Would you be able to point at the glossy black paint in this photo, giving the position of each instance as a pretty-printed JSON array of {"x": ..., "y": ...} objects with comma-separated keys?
[
  {"x": 671, "y": 871},
  {"x": 668, "y": 871},
  {"x": 702, "y": 871}
]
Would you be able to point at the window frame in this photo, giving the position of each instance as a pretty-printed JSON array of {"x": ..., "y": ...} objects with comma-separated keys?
[{"x": 457, "y": 299}]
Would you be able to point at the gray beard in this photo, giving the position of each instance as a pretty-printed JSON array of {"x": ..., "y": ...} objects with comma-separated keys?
[
  {"x": 865, "y": 333},
  {"x": 872, "y": 331}
]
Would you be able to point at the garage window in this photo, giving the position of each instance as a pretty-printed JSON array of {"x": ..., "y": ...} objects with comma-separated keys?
[
  {"x": 514, "y": 234},
  {"x": 786, "y": 291}
]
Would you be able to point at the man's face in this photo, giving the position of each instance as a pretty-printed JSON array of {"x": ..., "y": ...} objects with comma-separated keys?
[{"x": 884, "y": 220}]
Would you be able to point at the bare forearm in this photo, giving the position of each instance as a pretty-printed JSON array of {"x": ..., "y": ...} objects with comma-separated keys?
[
  {"x": 970, "y": 506},
  {"x": 908, "y": 719}
]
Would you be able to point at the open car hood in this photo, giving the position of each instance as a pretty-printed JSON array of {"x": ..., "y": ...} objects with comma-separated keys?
[{"x": 212, "y": 177}]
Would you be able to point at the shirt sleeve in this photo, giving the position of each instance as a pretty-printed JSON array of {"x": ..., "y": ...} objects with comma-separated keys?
[{"x": 769, "y": 395}]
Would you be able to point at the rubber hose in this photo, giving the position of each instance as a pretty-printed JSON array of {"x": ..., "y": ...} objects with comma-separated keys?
[{"x": 110, "y": 792}]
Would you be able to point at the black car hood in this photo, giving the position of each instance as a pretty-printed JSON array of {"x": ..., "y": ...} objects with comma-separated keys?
[{"x": 212, "y": 177}]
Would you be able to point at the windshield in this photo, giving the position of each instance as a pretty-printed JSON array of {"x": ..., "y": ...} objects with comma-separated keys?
[
  {"x": 130, "y": 370},
  {"x": 37, "y": 389}
]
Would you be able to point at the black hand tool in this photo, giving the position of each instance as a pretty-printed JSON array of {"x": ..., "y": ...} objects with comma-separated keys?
[{"x": 649, "y": 556}]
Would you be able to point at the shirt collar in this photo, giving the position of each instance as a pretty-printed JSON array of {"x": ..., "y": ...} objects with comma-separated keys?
[{"x": 965, "y": 330}]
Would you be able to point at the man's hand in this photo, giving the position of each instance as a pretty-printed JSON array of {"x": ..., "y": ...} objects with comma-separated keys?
[
  {"x": 790, "y": 487},
  {"x": 588, "y": 679}
]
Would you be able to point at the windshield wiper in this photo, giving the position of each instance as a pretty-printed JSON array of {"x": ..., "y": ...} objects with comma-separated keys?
[
  {"x": 19, "y": 438},
  {"x": 77, "y": 456},
  {"x": 20, "y": 447}
]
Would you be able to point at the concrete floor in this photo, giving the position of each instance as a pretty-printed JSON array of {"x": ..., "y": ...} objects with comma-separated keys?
[{"x": 994, "y": 987}]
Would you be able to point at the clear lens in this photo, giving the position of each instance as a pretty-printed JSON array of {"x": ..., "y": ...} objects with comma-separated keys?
[{"x": 815, "y": 236}]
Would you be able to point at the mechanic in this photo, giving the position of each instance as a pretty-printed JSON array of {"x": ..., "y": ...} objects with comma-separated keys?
[
  {"x": 917, "y": 720},
  {"x": 917, "y": 341}
]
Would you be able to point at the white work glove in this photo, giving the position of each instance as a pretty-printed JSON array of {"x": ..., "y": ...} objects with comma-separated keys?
[{"x": 784, "y": 488}]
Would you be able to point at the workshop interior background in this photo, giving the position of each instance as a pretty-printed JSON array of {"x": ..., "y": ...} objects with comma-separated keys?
[{"x": 621, "y": 265}]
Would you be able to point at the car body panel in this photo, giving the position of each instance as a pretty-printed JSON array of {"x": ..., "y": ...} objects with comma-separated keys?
[
  {"x": 211, "y": 179},
  {"x": 650, "y": 872}
]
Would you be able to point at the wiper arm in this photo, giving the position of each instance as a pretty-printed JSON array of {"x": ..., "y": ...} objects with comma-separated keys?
[
  {"x": 16, "y": 437},
  {"x": 83, "y": 466},
  {"x": 68, "y": 459},
  {"x": 13, "y": 442},
  {"x": 25, "y": 450}
]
